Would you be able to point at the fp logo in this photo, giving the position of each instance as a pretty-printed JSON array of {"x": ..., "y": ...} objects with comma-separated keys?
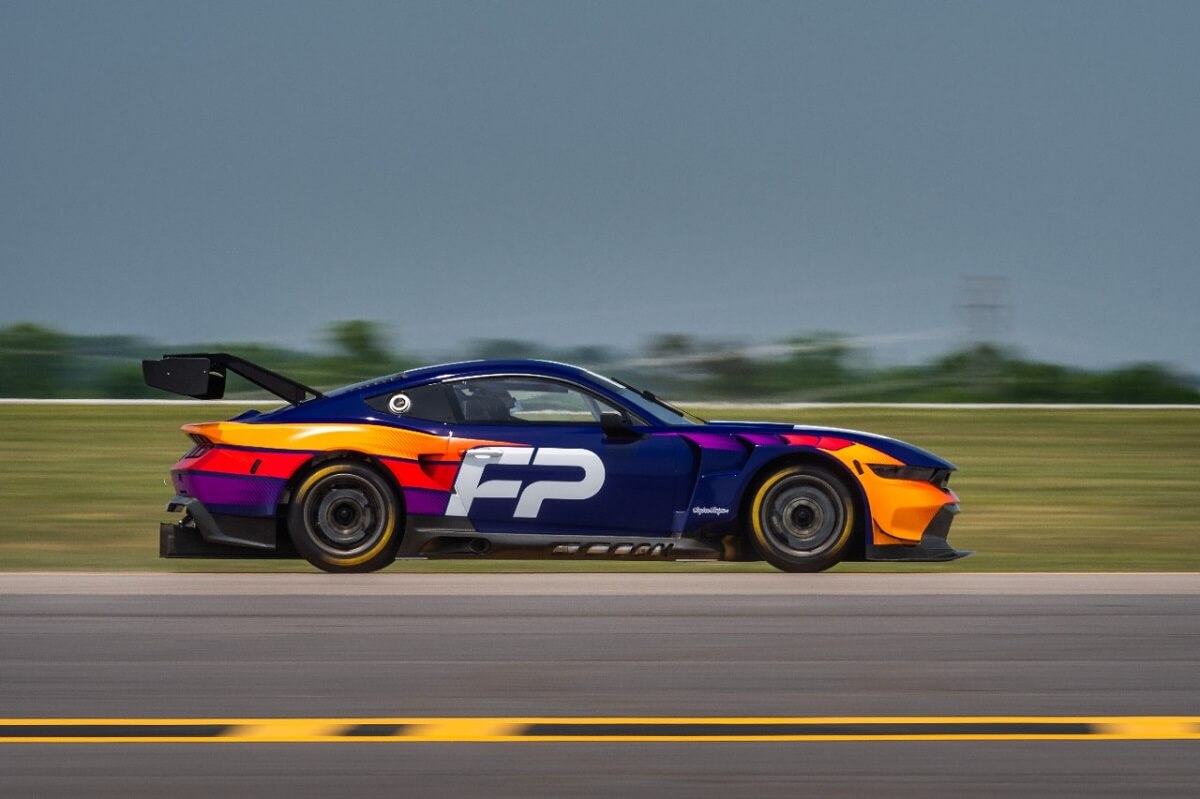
[{"x": 470, "y": 484}]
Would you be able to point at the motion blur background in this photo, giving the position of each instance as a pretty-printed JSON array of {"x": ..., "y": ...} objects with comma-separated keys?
[
  {"x": 740, "y": 202},
  {"x": 846, "y": 186}
]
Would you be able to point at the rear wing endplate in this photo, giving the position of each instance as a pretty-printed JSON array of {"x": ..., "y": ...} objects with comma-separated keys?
[{"x": 202, "y": 376}]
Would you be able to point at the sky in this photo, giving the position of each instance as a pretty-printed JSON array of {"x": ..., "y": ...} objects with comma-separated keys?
[{"x": 598, "y": 172}]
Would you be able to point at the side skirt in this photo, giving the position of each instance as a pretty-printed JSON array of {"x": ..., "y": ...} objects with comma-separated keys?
[
  {"x": 442, "y": 537},
  {"x": 431, "y": 537}
]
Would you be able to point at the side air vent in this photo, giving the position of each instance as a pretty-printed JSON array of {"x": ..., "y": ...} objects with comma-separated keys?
[{"x": 628, "y": 549}]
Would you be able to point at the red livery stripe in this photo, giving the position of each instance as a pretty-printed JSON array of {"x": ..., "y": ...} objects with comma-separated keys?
[{"x": 242, "y": 462}]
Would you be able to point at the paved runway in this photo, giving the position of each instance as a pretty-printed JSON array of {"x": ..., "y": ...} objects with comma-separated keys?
[{"x": 587, "y": 645}]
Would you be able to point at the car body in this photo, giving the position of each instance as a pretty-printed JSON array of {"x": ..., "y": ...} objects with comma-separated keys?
[{"x": 534, "y": 459}]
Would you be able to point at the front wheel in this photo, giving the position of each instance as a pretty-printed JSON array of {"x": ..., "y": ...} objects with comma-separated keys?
[
  {"x": 801, "y": 518},
  {"x": 344, "y": 517}
]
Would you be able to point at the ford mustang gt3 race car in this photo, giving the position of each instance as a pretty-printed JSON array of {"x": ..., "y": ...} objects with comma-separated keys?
[{"x": 533, "y": 459}]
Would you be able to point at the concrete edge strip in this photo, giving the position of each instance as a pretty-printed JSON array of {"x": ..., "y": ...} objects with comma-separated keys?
[{"x": 546, "y": 584}]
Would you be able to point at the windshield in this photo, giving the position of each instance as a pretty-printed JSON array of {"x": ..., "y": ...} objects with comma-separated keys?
[{"x": 662, "y": 411}]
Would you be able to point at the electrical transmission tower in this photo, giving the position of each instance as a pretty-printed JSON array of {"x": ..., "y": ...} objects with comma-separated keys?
[{"x": 986, "y": 307}]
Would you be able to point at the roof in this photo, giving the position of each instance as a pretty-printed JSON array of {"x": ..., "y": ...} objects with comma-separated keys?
[{"x": 467, "y": 368}]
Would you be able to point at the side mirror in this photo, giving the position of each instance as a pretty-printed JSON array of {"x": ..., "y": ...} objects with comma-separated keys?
[{"x": 614, "y": 423}]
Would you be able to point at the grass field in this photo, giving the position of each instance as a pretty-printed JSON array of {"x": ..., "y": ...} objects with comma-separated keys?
[{"x": 83, "y": 488}]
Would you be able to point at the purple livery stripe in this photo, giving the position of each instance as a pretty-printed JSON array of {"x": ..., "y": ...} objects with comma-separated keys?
[
  {"x": 423, "y": 502},
  {"x": 236, "y": 495}
]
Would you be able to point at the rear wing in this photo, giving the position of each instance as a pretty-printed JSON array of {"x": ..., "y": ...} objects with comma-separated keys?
[{"x": 202, "y": 376}]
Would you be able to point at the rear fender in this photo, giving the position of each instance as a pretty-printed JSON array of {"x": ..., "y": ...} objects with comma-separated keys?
[{"x": 315, "y": 462}]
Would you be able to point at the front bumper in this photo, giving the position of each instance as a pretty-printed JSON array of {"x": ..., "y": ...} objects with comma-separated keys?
[{"x": 932, "y": 547}]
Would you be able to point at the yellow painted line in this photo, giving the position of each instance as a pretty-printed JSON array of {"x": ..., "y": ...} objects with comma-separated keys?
[
  {"x": 1147, "y": 728},
  {"x": 285, "y": 730},
  {"x": 605, "y": 729},
  {"x": 466, "y": 730}
]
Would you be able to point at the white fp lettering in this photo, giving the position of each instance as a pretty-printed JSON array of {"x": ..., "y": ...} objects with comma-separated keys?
[{"x": 471, "y": 485}]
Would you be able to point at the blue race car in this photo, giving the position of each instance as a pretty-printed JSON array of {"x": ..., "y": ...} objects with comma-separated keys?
[{"x": 533, "y": 459}]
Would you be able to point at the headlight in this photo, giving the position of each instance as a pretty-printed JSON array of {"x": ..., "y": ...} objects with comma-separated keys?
[{"x": 921, "y": 474}]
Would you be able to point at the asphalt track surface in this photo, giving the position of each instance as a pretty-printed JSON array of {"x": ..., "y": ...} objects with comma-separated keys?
[{"x": 452, "y": 658}]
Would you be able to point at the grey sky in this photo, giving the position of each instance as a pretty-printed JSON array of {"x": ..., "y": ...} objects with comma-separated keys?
[{"x": 594, "y": 172}]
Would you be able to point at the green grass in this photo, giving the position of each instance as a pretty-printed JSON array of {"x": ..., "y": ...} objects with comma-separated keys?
[{"x": 83, "y": 487}]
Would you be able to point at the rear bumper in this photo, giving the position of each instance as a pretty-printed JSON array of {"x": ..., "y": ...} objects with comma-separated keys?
[
  {"x": 203, "y": 534},
  {"x": 932, "y": 547}
]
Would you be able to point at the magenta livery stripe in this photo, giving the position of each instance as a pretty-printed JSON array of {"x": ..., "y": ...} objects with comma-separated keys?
[{"x": 711, "y": 440}]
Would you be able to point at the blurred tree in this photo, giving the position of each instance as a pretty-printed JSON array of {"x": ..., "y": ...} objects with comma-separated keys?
[
  {"x": 37, "y": 361},
  {"x": 670, "y": 345},
  {"x": 732, "y": 375},
  {"x": 818, "y": 361},
  {"x": 975, "y": 373},
  {"x": 590, "y": 356},
  {"x": 132, "y": 347},
  {"x": 124, "y": 381},
  {"x": 504, "y": 349},
  {"x": 673, "y": 372},
  {"x": 360, "y": 351},
  {"x": 359, "y": 341},
  {"x": 1145, "y": 383},
  {"x": 34, "y": 361},
  {"x": 1040, "y": 382}
]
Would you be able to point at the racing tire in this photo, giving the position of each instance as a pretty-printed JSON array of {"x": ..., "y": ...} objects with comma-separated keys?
[
  {"x": 345, "y": 517},
  {"x": 801, "y": 518}
]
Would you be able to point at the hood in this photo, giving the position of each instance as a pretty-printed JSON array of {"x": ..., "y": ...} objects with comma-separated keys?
[{"x": 902, "y": 451}]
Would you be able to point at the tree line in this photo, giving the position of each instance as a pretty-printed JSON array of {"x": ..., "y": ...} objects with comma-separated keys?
[{"x": 37, "y": 362}]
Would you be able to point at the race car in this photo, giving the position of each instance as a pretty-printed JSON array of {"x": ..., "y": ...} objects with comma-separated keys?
[{"x": 533, "y": 459}]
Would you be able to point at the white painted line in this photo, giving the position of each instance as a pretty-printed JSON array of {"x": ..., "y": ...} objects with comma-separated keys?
[{"x": 937, "y": 406}]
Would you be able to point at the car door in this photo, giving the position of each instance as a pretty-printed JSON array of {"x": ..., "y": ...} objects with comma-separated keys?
[{"x": 554, "y": 470}]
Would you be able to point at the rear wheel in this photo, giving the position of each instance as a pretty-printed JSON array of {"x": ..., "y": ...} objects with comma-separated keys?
[
  {"x": 345, "y": 517},
  {"x": 801, "y": 518}
]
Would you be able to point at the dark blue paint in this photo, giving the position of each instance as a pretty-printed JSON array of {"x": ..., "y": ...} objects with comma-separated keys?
[
  {"x": 654, "y": 483},
  {"x": 646, "y": 480}
]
